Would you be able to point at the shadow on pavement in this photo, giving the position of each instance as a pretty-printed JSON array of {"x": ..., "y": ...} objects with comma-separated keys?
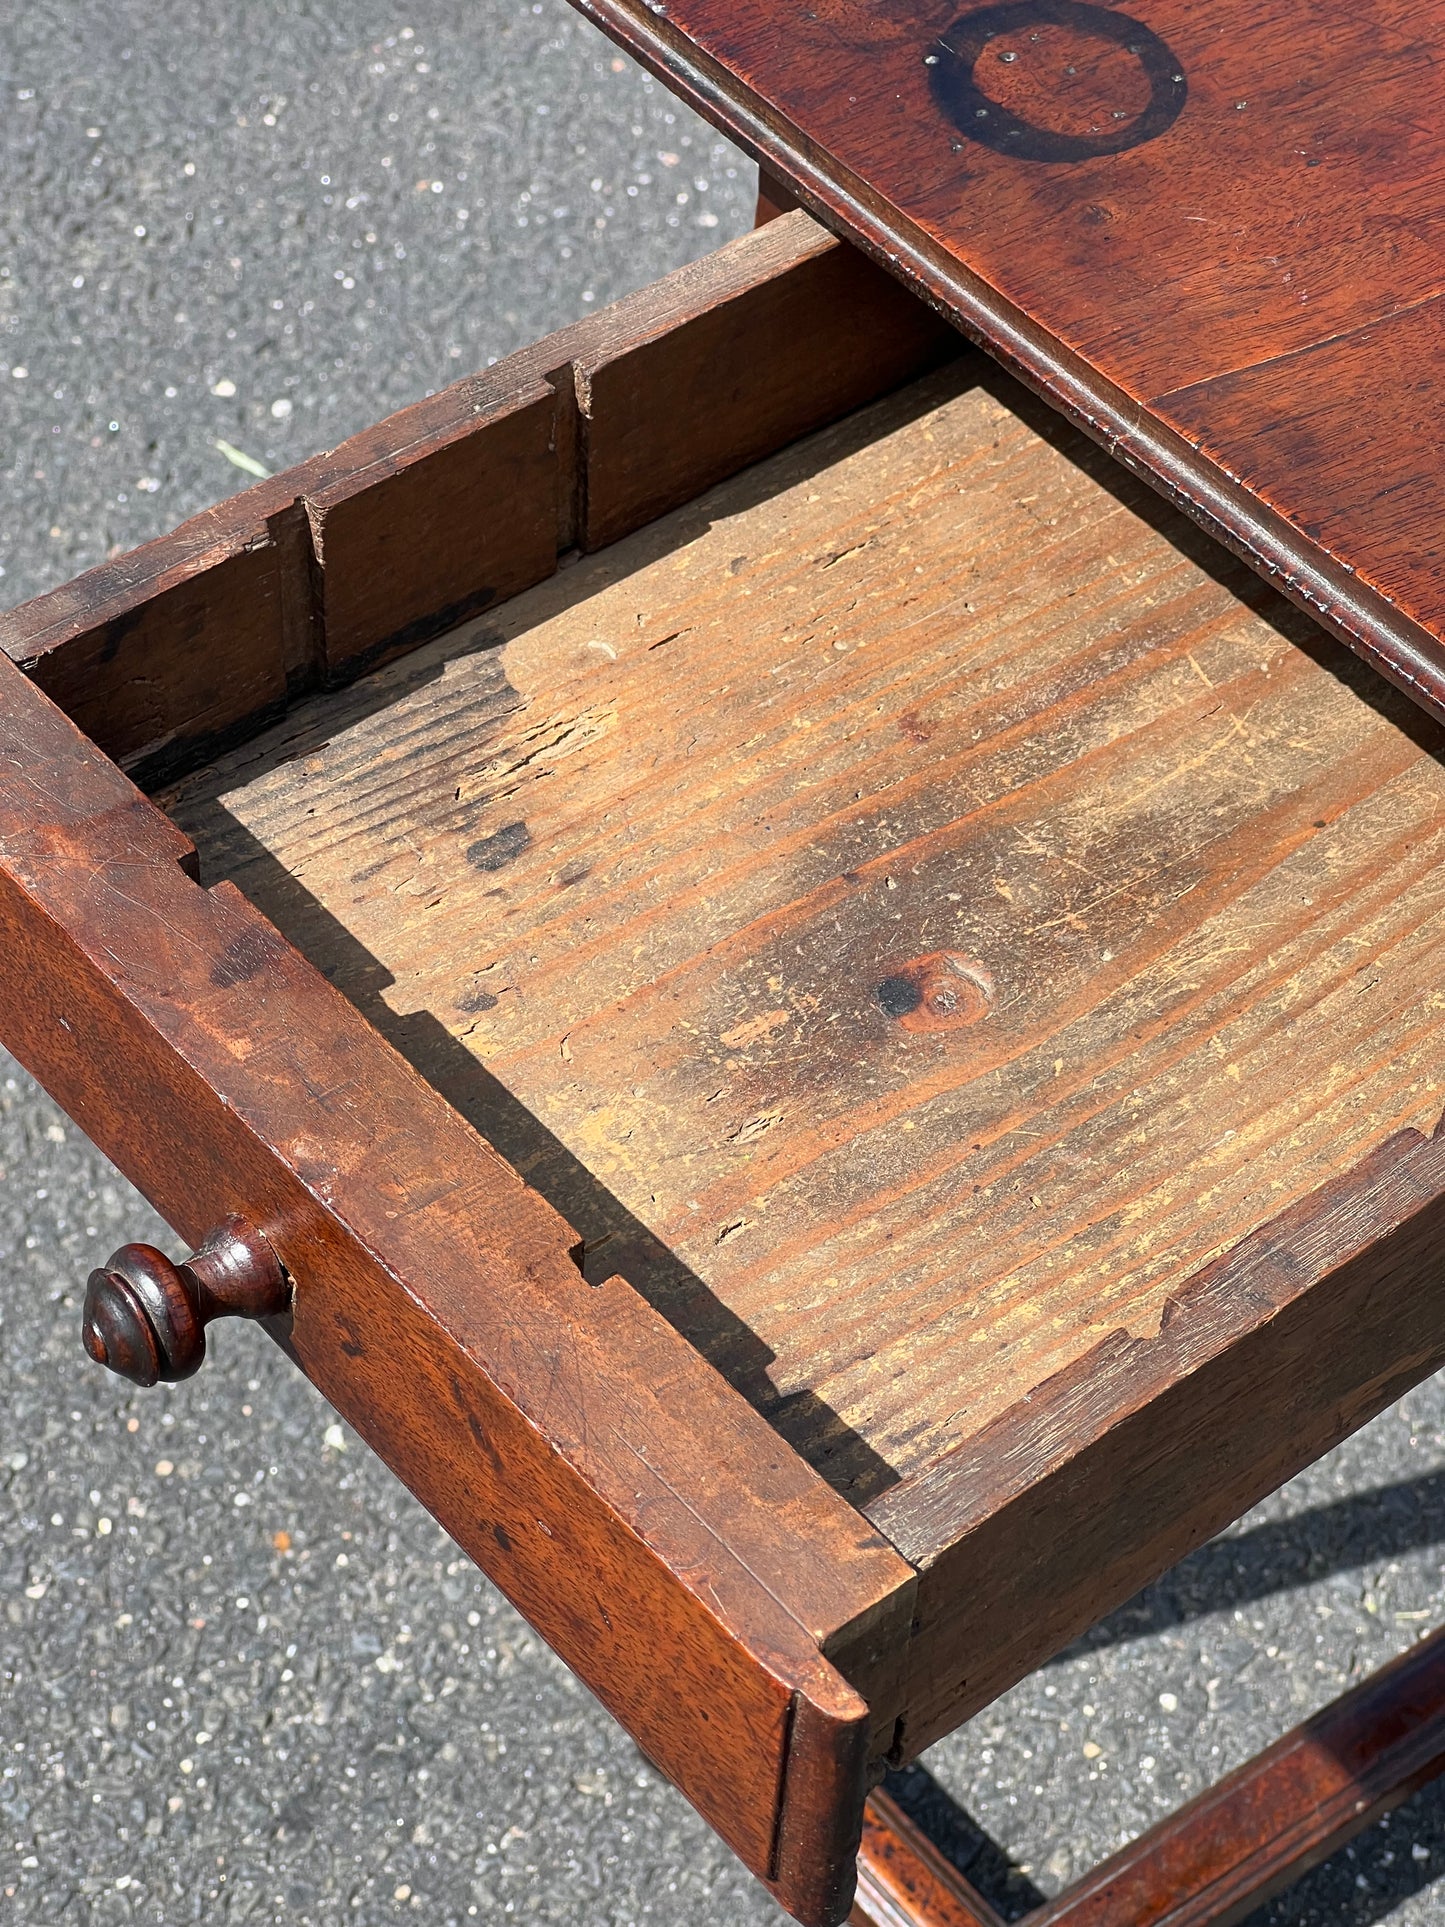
[
  {"x": 1364, "y": 1882},
  {"x": 1380, "y": 1524}
]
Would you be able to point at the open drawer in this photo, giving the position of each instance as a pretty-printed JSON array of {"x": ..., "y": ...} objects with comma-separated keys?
[{"x": 835, "y": 1020}]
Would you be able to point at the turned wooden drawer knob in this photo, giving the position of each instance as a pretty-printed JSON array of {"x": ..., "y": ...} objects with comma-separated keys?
[{"x": 146, "y": 1318}]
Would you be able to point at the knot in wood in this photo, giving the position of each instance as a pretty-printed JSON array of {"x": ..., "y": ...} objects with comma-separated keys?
[{"x": 940, "y": 991}]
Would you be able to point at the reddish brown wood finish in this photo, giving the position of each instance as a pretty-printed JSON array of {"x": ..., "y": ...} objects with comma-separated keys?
[
  {"x": 670, "y": 409},
  {"x": 904, "y": 1881},
  {"x": 973, "y": 1278},
  {"x": 1263, "y": 1361},
  {"x": 407, "y": 537},
  {"x": 1224, "y": 1854},
  {"x": 1220, "y": 286},
  {"x": 450, "y": 506},
  {"x": 1217, "y": 1859},
  {"x": 146, "y": 1317},
  {"x": 773, "y": 200},
  {"x": 645, "y": 1519}
]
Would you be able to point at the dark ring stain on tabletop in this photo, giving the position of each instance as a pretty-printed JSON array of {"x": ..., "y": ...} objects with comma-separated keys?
[
  {"x": 954, "y": 56},
  {"x": 939, "y": 991}
]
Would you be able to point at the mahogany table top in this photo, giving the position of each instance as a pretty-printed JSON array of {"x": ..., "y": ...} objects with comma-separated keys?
[{"x": 1211, "y": 235}]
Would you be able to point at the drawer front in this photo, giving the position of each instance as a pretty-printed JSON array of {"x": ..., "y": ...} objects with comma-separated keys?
[
  {"x": 694, "y": 1571},
  {"x": 650, "y": 1525}
]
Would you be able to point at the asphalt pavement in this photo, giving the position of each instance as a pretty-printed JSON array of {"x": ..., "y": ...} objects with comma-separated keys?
[{"x": 243, "y": 1677}]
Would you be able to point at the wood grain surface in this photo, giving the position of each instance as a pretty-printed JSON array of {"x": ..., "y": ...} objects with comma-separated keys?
[
  {"x": 946, "y": 950},
  {"x": 634, "y": 1507},
  {"x": 1212, "y": 235},
  {"x": 908, "y": 911},
  {"x": 904, "y": 1881}
]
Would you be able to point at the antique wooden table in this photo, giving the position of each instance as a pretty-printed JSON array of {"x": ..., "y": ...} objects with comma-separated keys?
[{"x": 814, "y": 1013}]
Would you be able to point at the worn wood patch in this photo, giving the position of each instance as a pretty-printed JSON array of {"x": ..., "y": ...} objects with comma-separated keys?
[{"x": 910, "y": 909}]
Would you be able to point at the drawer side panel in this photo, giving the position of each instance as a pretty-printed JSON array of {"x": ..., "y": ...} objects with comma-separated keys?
[{"x": 1265, "y": 1360}]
